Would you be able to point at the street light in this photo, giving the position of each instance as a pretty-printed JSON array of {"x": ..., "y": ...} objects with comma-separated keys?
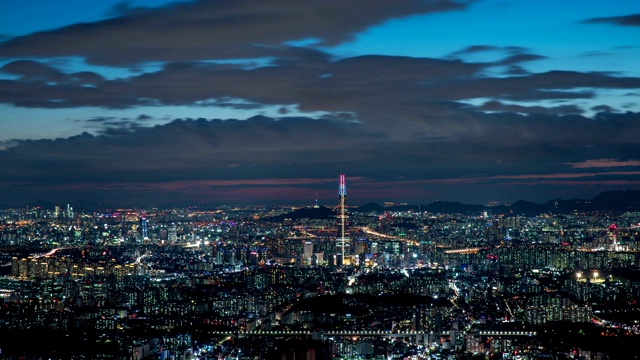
[
  {"x": 579, "y": 275},
  {"x": 595, "y": 275}
]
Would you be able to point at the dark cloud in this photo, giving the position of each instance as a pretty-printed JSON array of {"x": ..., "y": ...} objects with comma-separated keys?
[
  {"x": 512, "y": 57},
  {"x": 626, "y": 20},
  {"x": 203, "y": 30},
  {"x": 235, "y": 104},
  {"x": 516, "y": 70},
  {"x": 479, "y": 148},
  {"x": 86, "y": 78},
  {"x": 194, "y": 149},
  {"x": 519, "y": 58},
  {"x": 549, "y": 95},
  {"x": 602, "y": 108},
  {"x": 126, "y": 8},
  {"x": 42, "y": 94},
  {"x": 101, "y": 119},
  {"x": 378, "y": 117},
  {"x": 29, "y": 70},
  {"x": 512, "y": 54},
  {"x": 595, "y": 53},
  {"x": 362, "y": 83},
  {"x": 495, "y": 105},
  {"x": 384, "y": 88},
  {"x": 388, "y": 94},
  {"x": 110, "y": 124},
  {"x": 473, "y": 49},
  {"x": 35, "y": 71}
]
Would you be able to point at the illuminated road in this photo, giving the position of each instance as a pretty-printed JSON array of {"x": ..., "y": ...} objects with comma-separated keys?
[
  {"x": 368, "y": 231},
  {"x": 139, "y": 258},
  {"x": 462, "y": 251},
  {"x": 378, "y": 333},
  {"x": 50, "y": 252}
]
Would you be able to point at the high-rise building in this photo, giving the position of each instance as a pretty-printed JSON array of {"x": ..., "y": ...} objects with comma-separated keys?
[
  {"x": 307, "y": 252},
  {"x": 374, "y": 248},
  {"x": 172, "y": 234},
  {"x": 342, "y": 237},
  {"x": 144, "y": 228}
]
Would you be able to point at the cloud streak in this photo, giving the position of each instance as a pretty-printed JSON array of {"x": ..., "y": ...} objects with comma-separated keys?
[
  {"x": 605, "y": 163},
  {"x": 626, "y": 20}
]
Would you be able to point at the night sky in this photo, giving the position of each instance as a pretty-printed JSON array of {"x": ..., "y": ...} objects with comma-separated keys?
[{"x": 253, "y": 101}]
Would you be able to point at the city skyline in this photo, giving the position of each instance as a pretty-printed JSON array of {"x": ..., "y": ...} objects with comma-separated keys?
[{"x": 150, "y": 101}]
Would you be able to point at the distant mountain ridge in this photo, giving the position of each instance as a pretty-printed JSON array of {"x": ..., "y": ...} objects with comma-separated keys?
[
  {"x": 622, "y": 200},
  {"x": 616, "y": 200}
]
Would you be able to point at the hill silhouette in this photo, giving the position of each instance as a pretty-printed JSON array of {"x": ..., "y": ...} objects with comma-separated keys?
[{"x": 321, "y": 212}]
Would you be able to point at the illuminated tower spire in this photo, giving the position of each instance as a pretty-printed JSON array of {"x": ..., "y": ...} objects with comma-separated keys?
[{"x": 342, "y": 198}]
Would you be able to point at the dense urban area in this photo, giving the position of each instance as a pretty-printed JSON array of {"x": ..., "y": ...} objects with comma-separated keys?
[{"x": 258, "y": 282}]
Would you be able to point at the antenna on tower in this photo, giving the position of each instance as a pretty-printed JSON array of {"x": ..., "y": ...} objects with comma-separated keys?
[{"x": 316, "y": 205}]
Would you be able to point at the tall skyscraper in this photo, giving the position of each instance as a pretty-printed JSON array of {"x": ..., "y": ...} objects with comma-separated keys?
[
  {"x": 172, "y": 234},
  {"x": 342, "y": 214},
  {"x": 144, "y": 228},
  {"x": 307, "y": 252}
]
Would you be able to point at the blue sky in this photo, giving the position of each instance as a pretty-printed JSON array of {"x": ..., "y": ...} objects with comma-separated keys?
[{"x": 447, "y": 86}]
